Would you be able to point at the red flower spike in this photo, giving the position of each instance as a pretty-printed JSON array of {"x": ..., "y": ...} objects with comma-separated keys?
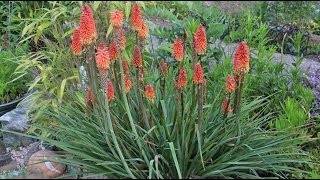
[
  {"x": 110, "y": 91},
  {"x": 76, "y": 43},
  {"x": 230, "y": 84},
  {"x": 241, "y": 59},
  {"x": 102, "y": 58},
  {"x": 143, "y": 32},
  {"x": 89, "y": 95},
  {"x": 87, "y": 29},
  {"x": 200, "y": 42},
  {"x": 198, "y": 74},
  {"x": 163, "y": 68},
  {"x": 122, "y": 39},
  {"x": 178, "y": 49},
  {"x": 182, "y": 78},
  {"x": 125, "y": 67},
  {"x": 137, "y": 59},
  {"x": 127, "y": 83},
  {"x": 116, "y": 19},
  {"x": 136, "y": 18},
  {"x": 149, "y": 92},
  {"x": 224, "y": 107},
  {"x": 113, "y": 51}
]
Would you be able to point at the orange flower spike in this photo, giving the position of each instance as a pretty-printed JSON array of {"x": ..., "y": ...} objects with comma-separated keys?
[
  {"x": 200, "y": 42},
  {"x": 110, "y": 91},
  {"x": 178, "y": 49},
  {"x": 122, "y": 39},
  {"x": 127, "y": 83},
  {"x": 198, "y": 74},
  {"x": 113, "y": 51},
  {"x": 87, "y": 29},
  {"x": 230, "y": 84},
  {"x": 136, "y": 18},
  {"x": 102, "y": 58},
  {"x": 182, "y": 78},
  {"x": 143, "y": 33},
  {"x": 125, "y": 67},
  {"x": 150, "y": 92},
  {"x": 163, "y": 68},
  {"x": 137, "y": 59},
  {"x": 116, "y": 19},
  {"x": 76, "y": 43},
  {"x": 241, "y": 59},
  {"x": 224, "y": 107}
]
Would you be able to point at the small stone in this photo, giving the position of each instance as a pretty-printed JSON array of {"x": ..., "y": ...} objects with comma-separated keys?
[{"x": 48, "y": 168}]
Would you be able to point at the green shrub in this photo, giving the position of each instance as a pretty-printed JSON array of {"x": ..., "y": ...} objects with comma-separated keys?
[
  {"x": 181, "y": 133},
  {"x": 294, "y": 116},
  {"x": 12, "y": 85}
]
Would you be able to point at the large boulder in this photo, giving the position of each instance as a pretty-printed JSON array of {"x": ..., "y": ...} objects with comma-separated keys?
[{"x": 17, "y": 121}]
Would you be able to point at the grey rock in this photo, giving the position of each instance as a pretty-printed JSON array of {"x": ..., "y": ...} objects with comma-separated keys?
[{"x": 16, "y": 121}]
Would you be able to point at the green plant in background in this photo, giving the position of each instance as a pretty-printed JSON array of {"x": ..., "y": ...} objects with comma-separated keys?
[
  {"x": 12, "y": 85},
  {"x": 294, "y": 116},
  {"x": 284, "y": 12}
]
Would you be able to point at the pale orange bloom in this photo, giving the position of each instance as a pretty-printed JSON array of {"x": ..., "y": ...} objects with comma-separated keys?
[
  {"x": 230, "y": 84},
  {"x": 136, "y": 18},
  {"x": 241, "y": 59},
  {"x": 113, "y": 51},
  {"x": 102, "y": 58},
  {"x": 127, "y": 83},
  {"x": 125, "y": 67},
  {"x": 150, "y": 92},
  {"x": 143, "y": 32},
  {"x": 110, "y": 91},
  {"x": 122, "y": 39},
  {"x": 200, "y": 40},
  {"x": 178, "y": 49},
  {"x": 182, "y": 78},
  {"x": 116, "y": 18},
  {"x": 137, "y": 59},
  {"x": 198, "y": 76}
]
